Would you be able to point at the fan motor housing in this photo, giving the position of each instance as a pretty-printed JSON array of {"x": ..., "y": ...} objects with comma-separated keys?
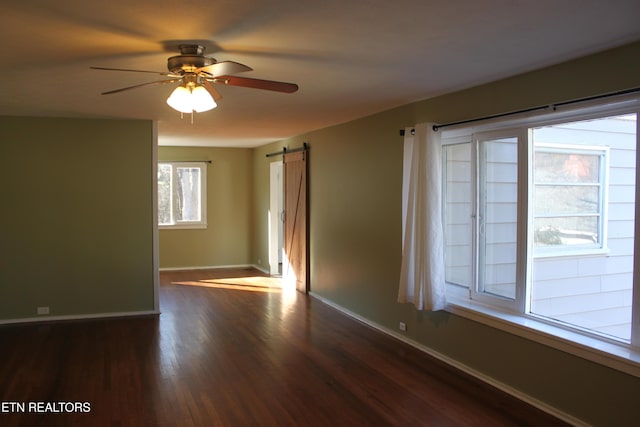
[
  {"x": 190, "y": 58},
  {"x": 179, "y": 63}
]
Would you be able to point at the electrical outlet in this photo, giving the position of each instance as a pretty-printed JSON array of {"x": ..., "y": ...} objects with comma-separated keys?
[
  {"x": 43, "y": 310},
  {"x": 403, "y": 326}
]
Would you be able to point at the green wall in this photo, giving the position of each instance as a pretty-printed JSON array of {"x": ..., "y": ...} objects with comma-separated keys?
[
  {"x": 226, "y": 240},
  {"x": 355, "y": 234},
  {"x": 77, "y": 217}
]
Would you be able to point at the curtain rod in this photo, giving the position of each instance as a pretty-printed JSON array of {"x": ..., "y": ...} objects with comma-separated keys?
[
  {"x": 304, "y": 147},
  {"x": 528, "y": 110}
]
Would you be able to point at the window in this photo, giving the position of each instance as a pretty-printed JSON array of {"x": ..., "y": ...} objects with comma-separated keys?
[
  {"x": 569, "y": 194},
  {"x": 182, "y": 195},
  {"x": 539, "y": 220}
]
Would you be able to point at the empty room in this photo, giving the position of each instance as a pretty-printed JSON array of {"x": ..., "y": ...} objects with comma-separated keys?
[{"x": 285, "y": 213}]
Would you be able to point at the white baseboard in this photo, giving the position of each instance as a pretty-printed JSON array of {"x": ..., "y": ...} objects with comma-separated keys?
[
  {"x": 460, "y": 366},
  {"x": 78, "y": 317},
  {"x": 263, "y": 269},
  {"x": 217, "y": 267}
]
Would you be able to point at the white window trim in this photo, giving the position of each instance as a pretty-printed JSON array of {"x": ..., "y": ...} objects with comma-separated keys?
[
  {"x": 607, "y": 352},
  {"x": 186, "y": 225},
  {"x": 517, "y": 303},
  {"x": 190, "y": 225}
]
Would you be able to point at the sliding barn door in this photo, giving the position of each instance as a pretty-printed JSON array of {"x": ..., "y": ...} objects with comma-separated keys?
[{"x": 295, "y": 263}]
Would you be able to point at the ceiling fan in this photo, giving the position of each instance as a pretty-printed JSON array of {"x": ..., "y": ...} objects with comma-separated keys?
[{"x": 197, "y": 75}]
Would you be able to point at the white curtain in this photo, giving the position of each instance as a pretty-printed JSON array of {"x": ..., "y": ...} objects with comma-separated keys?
[{"x": 422, "y": 278}]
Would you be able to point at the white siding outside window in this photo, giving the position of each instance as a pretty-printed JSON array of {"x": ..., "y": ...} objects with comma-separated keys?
[{"x": 593, "y": 290}]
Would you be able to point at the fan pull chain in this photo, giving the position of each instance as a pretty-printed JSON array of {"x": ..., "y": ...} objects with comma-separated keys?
[{"x": 182, "y": 116}]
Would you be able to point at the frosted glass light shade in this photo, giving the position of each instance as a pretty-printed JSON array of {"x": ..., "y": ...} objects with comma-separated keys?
[
  {"x": 188, "y": 100},
  {"x": 180, "y": 99},
  {"x": 201, "y": 100}
]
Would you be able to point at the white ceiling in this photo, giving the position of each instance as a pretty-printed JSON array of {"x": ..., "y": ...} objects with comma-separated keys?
[{"x": 350, "y": 58}]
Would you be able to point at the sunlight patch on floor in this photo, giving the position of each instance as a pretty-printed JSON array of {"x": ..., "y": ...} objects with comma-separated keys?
[{"x": 252, "y": 283}]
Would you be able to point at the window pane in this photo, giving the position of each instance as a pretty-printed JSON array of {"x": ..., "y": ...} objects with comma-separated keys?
[
  {"x": 497, "y": 222},
  {"x": 568, "y": 199},
  {"x": 569, "y": 231},
  {"x": 592, "y": 291},
  {"x": 566, "y": 167},
  {"x": 457, "y": 212},
  {"x": 569, "y": 187},
  {"x": 188, "y": 194},
  {"x": 164, "y": 194}
]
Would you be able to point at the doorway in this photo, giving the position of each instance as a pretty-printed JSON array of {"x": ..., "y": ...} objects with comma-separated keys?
[{"x": 276, "y": 218}]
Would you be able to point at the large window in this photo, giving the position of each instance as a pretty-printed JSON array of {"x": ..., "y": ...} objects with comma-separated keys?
[
  {"x": 540, "y": 220},
  {"x": 182, "y": 195}
]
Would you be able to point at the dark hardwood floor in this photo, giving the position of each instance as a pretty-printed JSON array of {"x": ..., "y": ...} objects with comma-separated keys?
[{"x": 232, "y": 349}]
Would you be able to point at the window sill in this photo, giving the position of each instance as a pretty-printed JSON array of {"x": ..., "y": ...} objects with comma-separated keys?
[
  {"x": 183, "y": 227},
  {"x": 617, "y": 356}
]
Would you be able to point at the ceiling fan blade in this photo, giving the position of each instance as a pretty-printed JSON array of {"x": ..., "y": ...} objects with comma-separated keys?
[
  {"x": 134, "y": 71},
  {"x": 223, "y": 68},
  {"x": 212, "y": 90},
  {"x": 257, "y": 83},
  {"x": 136, "y": 86}
]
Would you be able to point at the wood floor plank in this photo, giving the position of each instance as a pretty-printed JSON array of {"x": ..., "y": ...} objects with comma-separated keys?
[{"x": 231, "y": 348}]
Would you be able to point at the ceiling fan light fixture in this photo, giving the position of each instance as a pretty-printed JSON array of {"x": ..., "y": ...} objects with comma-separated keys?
[
  {"x": 187, "y": 100},
  {"x": 197, "y": 74}
]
